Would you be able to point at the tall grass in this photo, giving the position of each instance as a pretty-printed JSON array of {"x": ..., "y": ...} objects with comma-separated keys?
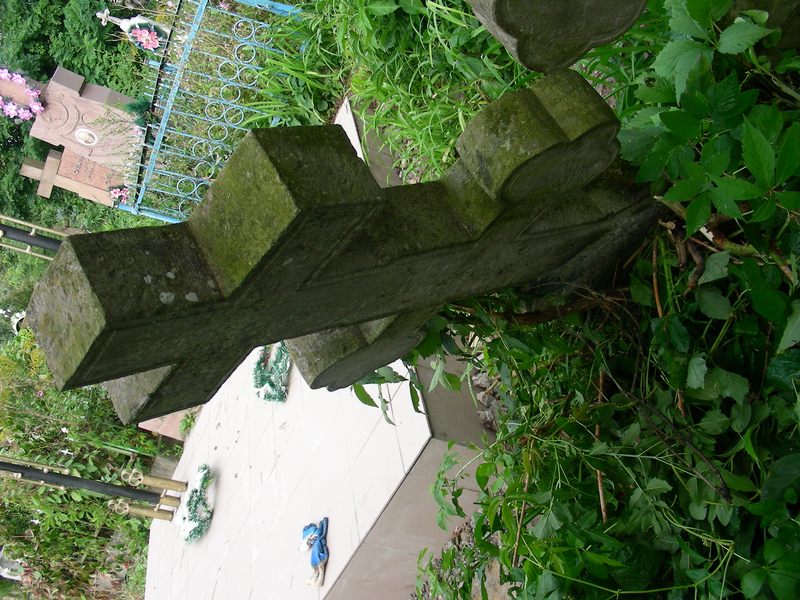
[{"x": 416, "y": 73}]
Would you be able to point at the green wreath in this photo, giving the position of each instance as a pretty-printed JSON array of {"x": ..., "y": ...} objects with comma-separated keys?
[
  {"x": 199, "y": 511},
  {"x": 271, "y": 373}
]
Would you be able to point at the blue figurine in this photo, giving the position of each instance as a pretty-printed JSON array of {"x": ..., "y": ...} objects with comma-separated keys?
[{"x": 315, "y": 539}]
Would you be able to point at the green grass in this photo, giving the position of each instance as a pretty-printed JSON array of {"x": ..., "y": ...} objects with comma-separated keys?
[{"x": 416, "y": 75}]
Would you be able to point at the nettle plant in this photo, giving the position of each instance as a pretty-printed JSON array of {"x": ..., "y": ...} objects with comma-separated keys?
[{"x": 649, "y": 447}]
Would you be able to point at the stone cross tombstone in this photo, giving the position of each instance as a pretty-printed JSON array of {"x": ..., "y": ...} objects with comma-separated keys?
[
  {"x": 100, "y": 139},
  {"x": 296, "y": 241},
  {"x": 75, "y": 173},
  {"x": 545, "y": 35}
]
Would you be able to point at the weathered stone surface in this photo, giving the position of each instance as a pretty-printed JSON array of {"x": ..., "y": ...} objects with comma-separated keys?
[
  {"x": 545, "y": 35},
  {"x": 296, "y": 241}
]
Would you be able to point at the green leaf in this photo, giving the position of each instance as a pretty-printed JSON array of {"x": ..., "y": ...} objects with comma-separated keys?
[
  {"x": 682, "y": 22},
  {"x": 413, "y": 7},
  {"x": 737, "y": 189},
  {"x": 390, "y": 375},
  {"x": 738, "y": 483},
  {"x": 740, "y": 416},
  {"x": 696, "y": 373},
  {"x": 784, "y": 473},
  {"x": 658, "y": 486},
  {"x": 415, "y": 399},
  {"x": 716, "y": 267},
  {"x": 677, "y": 333},
  {"x": 789, "y": 154},
  {"x": 715, "y": 161},
  {"x": 773, "y": 550},
  {"x": 363, "y": 395},
  {"x": 684, "y": 190},
  {"x": 791, "y": 333},
  {"x": 682, "y": 124},
  {"x": 766, "y": 207},
  {"x": 752, "y": 582},
  {"x": 697, "y": 213},
  {"x": 725, "y": 203},
  {"x": 760, "y": 17},
  {"x": 769, "y": 304},
  {"x": 385, "y": 408},
  {"x": 712, "y": 303},
  {"x": 740, "y": 36},
  {"x": 784, "y": 584},
  {"x": 719, "y": 8},
  {"x": 698, "y": 510},
  {"x": 731, "y": 385},
  {"x": 714, "y": 422},
  {"x": 789, "y": 200},
  {"x": 783, "y": 371},
  {"x": 759, "y": 156},
  {"x": 678, "y": 59},
  {"x": 382, "y": 7}
]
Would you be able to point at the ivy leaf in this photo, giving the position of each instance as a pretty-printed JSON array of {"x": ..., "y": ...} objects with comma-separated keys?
[
  {"x": 791, "y": 334},
  {"x": 714, "y": 422},
  {"x": 698, "y": 213},
  {"x": 678, "y": 59},
  {"x": 740, "y": 36},
  {"x": 696, "y": 373},
  {"x": 712, "y": 303},
  {"x": 716, "y": 267},
  {"x": 759, "y": 157}
]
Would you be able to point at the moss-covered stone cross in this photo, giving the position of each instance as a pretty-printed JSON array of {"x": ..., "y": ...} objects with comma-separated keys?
[{"x": 296, "y": 241}]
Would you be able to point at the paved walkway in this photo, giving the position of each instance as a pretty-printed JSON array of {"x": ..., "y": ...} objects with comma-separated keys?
[{"x": 279, "y": 466}]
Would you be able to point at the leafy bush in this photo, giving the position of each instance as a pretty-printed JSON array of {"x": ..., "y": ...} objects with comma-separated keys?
[
  {"x": 650, "y": 448},
  {"x": 62, "y": 535}
]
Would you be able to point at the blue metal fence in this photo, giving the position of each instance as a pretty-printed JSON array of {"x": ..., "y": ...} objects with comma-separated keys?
[{"x": 200, "y": 84}]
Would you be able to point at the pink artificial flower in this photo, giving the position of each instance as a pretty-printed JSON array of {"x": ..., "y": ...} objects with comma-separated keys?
[
  {"x": 5, "y": 75},
  {"x": 39, "y": 393},
  {"x": 36, "y": 107},
  {"x": 24, "y": 114},
  {"x": 10, "y": 109},
  {"x": 33, "y": 92},
  {"x": 17, "y": 78},
  {"x": 224, "y": 5}
]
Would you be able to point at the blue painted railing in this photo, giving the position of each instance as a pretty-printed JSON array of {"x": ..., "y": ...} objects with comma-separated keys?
[{"x": 200, "y": 85}]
